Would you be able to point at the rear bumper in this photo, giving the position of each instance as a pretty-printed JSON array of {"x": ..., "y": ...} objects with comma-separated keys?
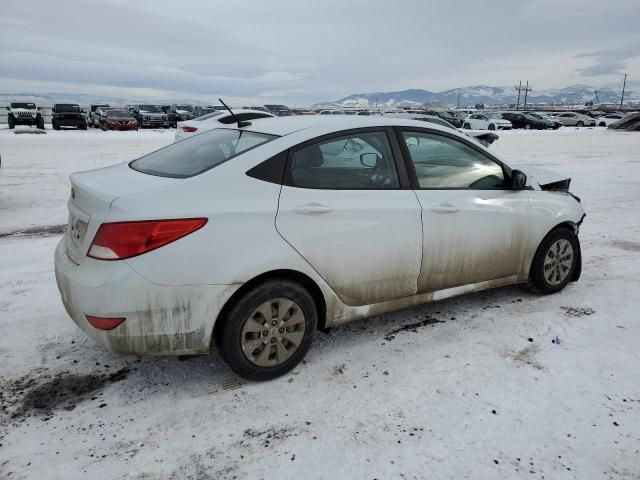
[{"x": 160, "y": 319}]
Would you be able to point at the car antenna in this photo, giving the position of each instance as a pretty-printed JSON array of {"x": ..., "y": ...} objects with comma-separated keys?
[{"x": 240, "y": 123}]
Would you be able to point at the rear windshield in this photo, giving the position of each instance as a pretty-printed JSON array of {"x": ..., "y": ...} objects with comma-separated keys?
[
  {"x": 199, "y": 153},
  {"x": 208, "y": 116}
]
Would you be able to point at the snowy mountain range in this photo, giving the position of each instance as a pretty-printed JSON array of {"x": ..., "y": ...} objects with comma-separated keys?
[{"x": 574, "y": 94}]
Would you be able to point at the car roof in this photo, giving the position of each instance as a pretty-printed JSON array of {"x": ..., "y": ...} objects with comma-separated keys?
[{"x": 324, "y": 124}]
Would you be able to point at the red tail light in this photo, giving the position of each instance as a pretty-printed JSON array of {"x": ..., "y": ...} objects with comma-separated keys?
[
  {"x": 104, "y": 323},
  {"x": 119, "y": 240},
  {"x": 189, "y": 129}
]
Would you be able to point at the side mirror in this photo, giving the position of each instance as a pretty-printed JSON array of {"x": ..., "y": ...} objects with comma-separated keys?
[
  {"x": 518, "y": 180},
  {"x": 369, "y": 160},
  {"x": 8, "y": 108}
]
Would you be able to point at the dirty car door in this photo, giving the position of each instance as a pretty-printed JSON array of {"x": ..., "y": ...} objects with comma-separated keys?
[
  {"x": 475, "y": 227},
  {"x": 343, "y": 209}
]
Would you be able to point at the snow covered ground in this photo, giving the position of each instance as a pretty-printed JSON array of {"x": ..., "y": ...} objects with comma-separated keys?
[{"x": 473, "y": 387}]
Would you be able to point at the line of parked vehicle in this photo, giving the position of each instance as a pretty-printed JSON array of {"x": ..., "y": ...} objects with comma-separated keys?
[{"x": 189, "y": 119}]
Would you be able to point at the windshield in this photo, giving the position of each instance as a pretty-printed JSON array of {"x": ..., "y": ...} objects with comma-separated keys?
[
  {"x": 187, "y": 108},
  {"x": 63, "y": 107},
  {"x": 151, "y": 108},
  {"x": 208, "y": 116},
  {"x": 28, "y": 106},
  {"x": 118, "y": 113},
  {"x": 199, "y": 153}
]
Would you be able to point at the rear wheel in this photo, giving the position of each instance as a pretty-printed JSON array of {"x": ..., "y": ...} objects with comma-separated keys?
[
  {"x": 269, "y": 330},
  {"x": 527, "y": 126},
  {"x": 602, "y": 124},
  {"x": 555, "y": 261},
  {"x": 40, "y": 123},
  {"x": 11, "y": 122}
]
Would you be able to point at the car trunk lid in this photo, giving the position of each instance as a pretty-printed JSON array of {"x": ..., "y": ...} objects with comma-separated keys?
[{"x": 92, "y": 194}]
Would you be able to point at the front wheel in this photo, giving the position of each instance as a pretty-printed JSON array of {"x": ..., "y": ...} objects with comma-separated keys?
[
  {"x": 580, "y": 124},
  {"x": 555, "y": 261},
  {"x": 40, "y": 123},
  {"x": 527, "y": 126},
  {"x": 492, "y": 126},
  {"x": 268, "y": 331},
  {"x": 466, "y": 126}
]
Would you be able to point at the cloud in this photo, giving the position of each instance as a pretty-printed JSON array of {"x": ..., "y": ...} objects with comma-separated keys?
[
  {"x": 609, "y": 62},
  {"x": 303, "y": 52}
]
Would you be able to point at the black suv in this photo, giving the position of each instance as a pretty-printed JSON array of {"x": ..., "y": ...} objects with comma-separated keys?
[{"x": 68, "y": 115}]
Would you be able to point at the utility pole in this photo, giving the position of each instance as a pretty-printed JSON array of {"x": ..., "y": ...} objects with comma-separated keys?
[
  {"x": 597, "y": 100},
  {"x": 623, "y": 87},
  {"x": 458, "y": 97},
  {"x": 519, "y": 87},
  {"x": 526, "y": 91}
]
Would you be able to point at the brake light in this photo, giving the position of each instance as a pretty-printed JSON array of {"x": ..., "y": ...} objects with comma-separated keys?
[
  {"x": 104, "y": 323},
  {"x": 120, "y": 240},
  {"x": 189, "y": 129}
]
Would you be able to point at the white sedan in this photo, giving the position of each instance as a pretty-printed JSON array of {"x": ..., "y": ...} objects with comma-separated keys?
[
  {"x": 486, "y": 121},
  {"x": 252, "y": 238},
  {"x": 216, "y": 119},
  {"x": 608, "y": 119}
]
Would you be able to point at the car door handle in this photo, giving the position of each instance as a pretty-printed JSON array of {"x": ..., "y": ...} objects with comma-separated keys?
[
  {"x": 445, "y": 208},
  {"x": 312, "y": 209}
]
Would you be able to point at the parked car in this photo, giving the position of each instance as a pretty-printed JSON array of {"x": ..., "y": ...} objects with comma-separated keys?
[
  {"x": 200, "y": 110},
  {"x": 452, "y": 119},
  {"x": 68, "y": 115},
  {"x": 216, "y": 120},
  {"x": 251, "y": 239},
  {"x": 24, "y": 113},
  {"x": 573, "y": 119},
  {"x": 485, "y": 138},
  {"x": 149, "y": 116},
  {"x": 332, "y": 112},
  {"x": 526, "y": 121},
  {"x": 259, "y": 107},
  {"x": 608, "y": 119},
  {"x": 553, "y": 123},
  {"x": 486, "y": 121},
  {"x": 117, "y": 119},
  {"x": 279, "y": 110},
  {"x": 92, "y": 117}
]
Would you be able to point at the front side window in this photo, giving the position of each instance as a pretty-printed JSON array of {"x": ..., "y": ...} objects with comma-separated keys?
[
  {"x": 199, "y": 153},
  {"x": 360, "y": 160},
  {"x": 446, "y": 163}
]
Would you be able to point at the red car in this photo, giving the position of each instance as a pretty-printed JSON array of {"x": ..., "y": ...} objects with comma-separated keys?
[{"x": 118, "y": 120}]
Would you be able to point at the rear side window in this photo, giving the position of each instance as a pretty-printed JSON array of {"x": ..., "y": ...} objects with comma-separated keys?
[{"x": 195, "y": 155}]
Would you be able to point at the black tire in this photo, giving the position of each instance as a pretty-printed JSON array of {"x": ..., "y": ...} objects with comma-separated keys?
[
  {"x": 602, "y": 124},
  {"x": 492, "y": 126},
  {"x": 466, "y": 126},
  {"x": 537, "y": 278},
  {"x": 229, "y": 336},
  {"x": 40, "y": 123},
  {"x": 580, "y": 124},
  {"x": 83, "y": 126},
  {"x": 11, "y": 122},
  {"x": 55, "y": 126}
]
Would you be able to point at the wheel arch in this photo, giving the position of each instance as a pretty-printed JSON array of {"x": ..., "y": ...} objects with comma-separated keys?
[
  {"x": 304, "y": 280},
  {"x": 569, "y": 225}
]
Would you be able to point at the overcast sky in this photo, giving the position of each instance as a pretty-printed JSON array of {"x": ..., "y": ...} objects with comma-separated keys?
[{"x": 302, "y": 51}]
